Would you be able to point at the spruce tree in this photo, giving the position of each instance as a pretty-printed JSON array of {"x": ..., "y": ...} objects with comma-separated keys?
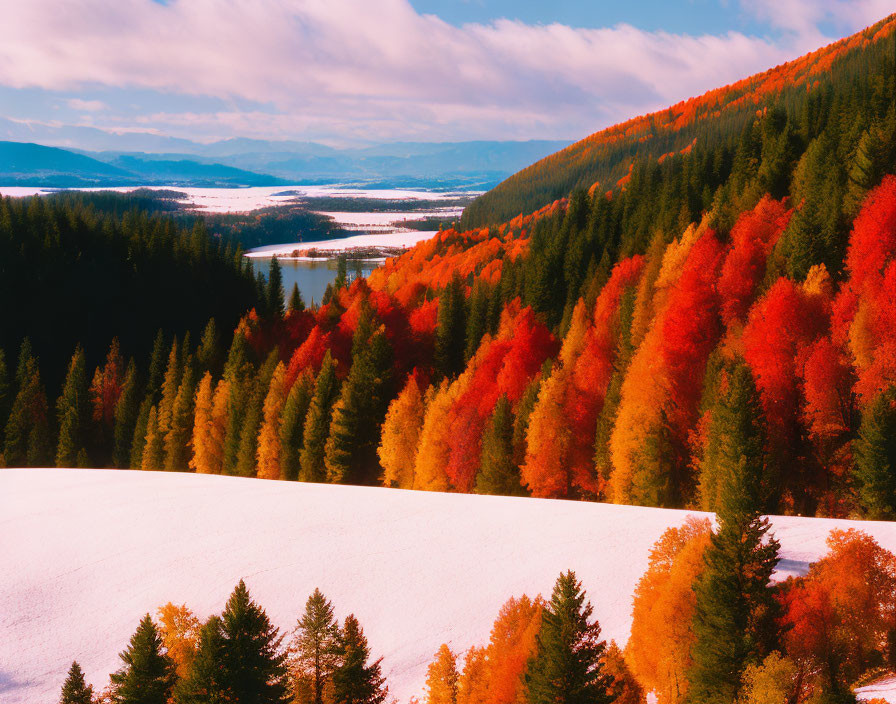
[
  {"x": 153, "y": 456},
  {"x": 252, "y": 665},
  {"x": 28, "y": 441},
  {"x": 355, "y": 681},
  {"x": 317, "y": 423},
  {"x": 138, "y": 442},
  {"x": 156, "y": 366},
  {"x": 292, "y": 425},
  {"x": 735, "y": 612},
  {"x": 275, "y": 294},
  {"x": 207, "y": 680},
  {"x": 315, "y": 647},
  {"x": 499, "y": 473},
  {"x": 75, "y": 690},
  {"x": 875, "y": 458},
  {"x": 296, "y": 302},
  {"x": 5, "y": 394},
  {"x": 450, "y": 328},
  {"x": 148, "y": 674},
  {"x": 208, "y": 355},
  {"x": 177, "y": 452},
  {"x": 247, "y": 453},
  {"x": 127, "y": 411},
  {"x": 73, "y": 413},
  {"x": 567, "y": 667},
  {"x": 350, "y": 451}
]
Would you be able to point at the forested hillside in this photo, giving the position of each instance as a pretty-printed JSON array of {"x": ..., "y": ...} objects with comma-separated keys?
[{"x": 722, "y": 298}]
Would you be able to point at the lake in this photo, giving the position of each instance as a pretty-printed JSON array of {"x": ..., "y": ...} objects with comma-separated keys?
[{"x": 311, "y": 276}]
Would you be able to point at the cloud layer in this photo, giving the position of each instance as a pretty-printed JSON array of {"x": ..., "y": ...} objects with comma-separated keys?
[{"x": 376, "y": 69}]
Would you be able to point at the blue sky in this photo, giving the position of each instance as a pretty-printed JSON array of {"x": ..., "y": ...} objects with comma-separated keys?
[{"x": 361, "y": 71}]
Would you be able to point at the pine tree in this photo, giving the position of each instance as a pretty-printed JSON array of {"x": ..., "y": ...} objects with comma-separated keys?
[
  {"x": 207, "y": 680},
  {"x": 76, "y": 690},
  {"x": 499, "y": 474},
  {"x": 296, "y": 302},
  {"x": 355, "y": 681},
  {"x": 177, "y": 452},
  {"x": 735, "y": 612},
  {"x": 208, "y": 356},
  {"x": 875, "y": 458},
  {"x": 736, "y": 436},
  {"x": 315, "y": 648},
  {"x": 317, "y": 423},
  {"x": 275, "y": 294},
  {"x": 292, "y": 424},
  {"x": 170, "y": 385},
  {"x": 148, "y": 674},
  {"x": 450, "y": 328},
  {"x": 27, "y": 439},
  {"x": 350, "y": 451},
  {"x": 252, "y": 661},
  {"x": 567, "y": 667},
  {"x": 153, "y": 456},
  {"x": 442, "y": 678},
  {"x": 73, "y": 413},
  {"x": 127, "y": 411},
  {"x": 138, "y": 443},
  {"x": 5, "y": 399}
]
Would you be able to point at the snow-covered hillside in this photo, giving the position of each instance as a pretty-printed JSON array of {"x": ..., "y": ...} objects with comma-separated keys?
[{"x": 85, "y": 553}]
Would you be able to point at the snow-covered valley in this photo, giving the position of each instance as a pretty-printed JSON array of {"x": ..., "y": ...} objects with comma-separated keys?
[{"x": 86, "y": 553}]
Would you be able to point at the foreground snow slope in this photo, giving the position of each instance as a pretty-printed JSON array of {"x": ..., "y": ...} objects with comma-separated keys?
[{"x": 85, "y": 553}]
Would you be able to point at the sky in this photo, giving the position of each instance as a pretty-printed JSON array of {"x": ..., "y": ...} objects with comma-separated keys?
[{"x": 347, "y": 72}]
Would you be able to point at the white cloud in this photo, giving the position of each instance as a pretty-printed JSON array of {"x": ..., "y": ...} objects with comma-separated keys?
[
  {"x": 374, "y": 68},
  {"x": 86, "y": 105}
]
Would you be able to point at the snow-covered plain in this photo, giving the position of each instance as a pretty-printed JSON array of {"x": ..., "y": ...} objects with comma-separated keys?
[
  {"x": 882, "y": 689},
  {"x": 85, "y": 553}
]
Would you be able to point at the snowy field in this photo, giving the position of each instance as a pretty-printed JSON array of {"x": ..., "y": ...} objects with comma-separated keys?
[
  {"x": 406, "y": 238},
  {"x": 86, "y": 553},
  {"x": 244, "y": 200}
]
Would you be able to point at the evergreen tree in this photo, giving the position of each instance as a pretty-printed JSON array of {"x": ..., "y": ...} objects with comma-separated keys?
[
  {"x": 735, "y": 613},
  {"x": 350, "y": 451},
  {"x": 275, "y": 294},
  {"x": 148, "y": 674},
  {"x": 269, "y": 448},
  {"x": 170, "y": 385},
  {"x": 153, "y": 456},
  {"x": 156, "y": 366},
  {"x": 355, "y": 681},
  {"x": 499, "y": 474},
  {"x": 315, "y": 648},
  {"x": 875, "y": 458},
  {"x": 477, "y": 322},
  {"x": 296, "y": 302},
  {"x": 208, "y": 356},
  {"x": 450, "y": 327},
  {"x": 76, "y": 690},
  {"x": 253, "y": 666},
  {"x": 5, "y": 395},
  {"x": 27, "y": 439},
  {"x": 567, "y": 667},
  {"x": 73, "y": 413},
  {"x": 177, "y": 452},
  {"x": 247, "y": 454},
  {"x": 317, "y": 423},
  {"x": 207, "y": 681},
  {"x": 127, "y": 411},
  {"x": 138, "y": 443},
  {"x": 341, "y": 274},
  {"x": 292, "y": 424},
  {"x": 736, "y": 438}
]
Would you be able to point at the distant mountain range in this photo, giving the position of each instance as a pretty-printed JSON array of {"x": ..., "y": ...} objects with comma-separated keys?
[{"x": 85, "y": 156}]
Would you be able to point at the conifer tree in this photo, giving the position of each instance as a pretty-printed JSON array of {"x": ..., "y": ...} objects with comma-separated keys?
[
  {"x": 296, "y": 302},
  {"x": 252, "y": 662},
  {"x": 401, "y": 436},
  {"x": 736, "y": 436},
  {"x": 209, "y": 426},
  {"x": 735, "y": 611},
  {"x": 208, "y": 356},
  {"x": 5, "y": 399},
  {"x": 315, "y": 648},
  {"x": 73, "y": 413},
  {"x": 206, "y": 682},
  {"x": 275, "y": 294},
  {"x": 75, "y": 690},
  {"x": 127, "y": 411},
  {"x": 350, "y": 451},
  {"x": 317, "y": 423},
  {"x": 355, "y": 681},
  {"x": 450, "y": 328},
  {"x": 247, "y": 453},
  {"x": 442, "y": 678},
  {"x": 153, "y": 455},
  {"x": 567, "y": 667},
  {"x": 170, "y": 385},
  {"x": 875, "y": 458},
  {"x": 156, "y": 366},
  {"x": 177, "y": 453},
  {"x": 269, "y": 449},
  {"x": 292, "y": 424},
  {"x": 499, "y": 473},
  {"x": 148, "y": 674},
  {"x": 27, "y": 438}
]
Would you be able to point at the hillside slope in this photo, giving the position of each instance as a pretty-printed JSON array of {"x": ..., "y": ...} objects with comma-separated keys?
[
  {"x": 88, "y": 552},
  {"x": 604, "y": 159}
]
